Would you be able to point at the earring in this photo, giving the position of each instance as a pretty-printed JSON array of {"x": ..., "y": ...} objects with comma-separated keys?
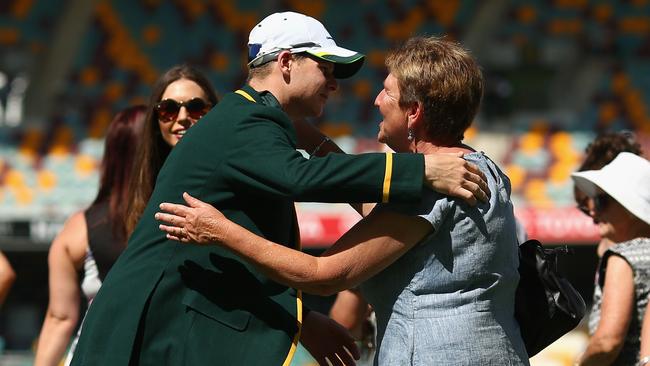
[{"x": 410, "y": 136}]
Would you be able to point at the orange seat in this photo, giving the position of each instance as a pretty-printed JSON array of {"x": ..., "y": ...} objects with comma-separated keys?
[{"x": 46, "y": 180}]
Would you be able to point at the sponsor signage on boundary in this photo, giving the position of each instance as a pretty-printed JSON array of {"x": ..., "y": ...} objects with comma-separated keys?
[{"x": 567, "y": 225}]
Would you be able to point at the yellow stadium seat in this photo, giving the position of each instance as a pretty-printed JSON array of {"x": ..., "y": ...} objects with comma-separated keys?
[
  {"x": 517, "y": 175},
  {"x": 21, "y": 8},
  {"x": 560, "y": 172},
  {"x": 14, "y": 179},
  {"x": 46, "y": 180},
  {"x": 535, "y": 193},
  {"x": 602, "y": 12},
  {"x": 526, "y": 14},
  {"x": 530, "y": 143},
  {"x": 313, "y": 8},
  {"x": 24, "y": 196},
  {"x": 85, "y": 165}
]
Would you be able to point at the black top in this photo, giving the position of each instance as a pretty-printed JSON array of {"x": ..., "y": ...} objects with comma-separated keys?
[{"x": 103, "y": 244}]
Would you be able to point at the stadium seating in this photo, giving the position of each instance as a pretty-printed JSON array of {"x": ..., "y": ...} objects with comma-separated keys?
[{"x": 129, "y": 43}]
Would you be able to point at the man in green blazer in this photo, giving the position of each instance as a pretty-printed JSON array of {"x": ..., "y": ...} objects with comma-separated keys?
[{"x": 164, "y": 303}]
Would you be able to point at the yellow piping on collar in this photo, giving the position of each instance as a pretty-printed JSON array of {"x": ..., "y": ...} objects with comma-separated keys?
[{"x": 245, "y": 95}]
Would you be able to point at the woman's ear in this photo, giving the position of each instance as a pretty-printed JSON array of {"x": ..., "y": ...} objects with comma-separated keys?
[{"x": 414, "y": 115}]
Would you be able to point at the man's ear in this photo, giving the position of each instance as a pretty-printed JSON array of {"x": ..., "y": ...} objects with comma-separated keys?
[{"x": 285, "y": 62}]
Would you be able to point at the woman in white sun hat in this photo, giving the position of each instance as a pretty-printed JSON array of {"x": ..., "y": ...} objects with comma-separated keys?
[{"x": 621, "y": 195}]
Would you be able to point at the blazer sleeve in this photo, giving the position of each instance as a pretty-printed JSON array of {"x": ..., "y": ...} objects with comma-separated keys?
[{"x": 262, "y": 159}]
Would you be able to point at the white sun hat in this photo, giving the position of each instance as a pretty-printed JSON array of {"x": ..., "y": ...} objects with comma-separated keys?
[
  {"x": 626, "y": 179},
  {"x": 298, "y": 33}
]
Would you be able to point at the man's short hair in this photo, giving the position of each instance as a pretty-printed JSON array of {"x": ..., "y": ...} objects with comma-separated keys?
[{"x": 264, "y": 70}]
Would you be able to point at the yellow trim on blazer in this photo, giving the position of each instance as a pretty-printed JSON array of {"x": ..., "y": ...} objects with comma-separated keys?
[
  {"x": 296, "y": 338},
  {"x": 245, "y": 95},
  {"x": 387, "y": 176}
]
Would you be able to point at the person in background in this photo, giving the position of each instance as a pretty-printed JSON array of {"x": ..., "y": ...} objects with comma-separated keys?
[
  {"x": 440, "y": 274},
  {"x": 599, "y": 153},
  {"x": 180, "y": 97},
  {"x": 621, "y": 209},
  {"x": 7, "y": 278},
  {"x": 90, "y": 239}
]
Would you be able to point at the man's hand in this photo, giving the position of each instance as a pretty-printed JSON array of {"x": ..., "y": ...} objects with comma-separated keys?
[
  {"x": 198, "y": 222},
  {"x": 326, "y": 340},
  {"x": 452, "y": 175}
]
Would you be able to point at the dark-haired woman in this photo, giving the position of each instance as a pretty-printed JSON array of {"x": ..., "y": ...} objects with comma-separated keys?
[
  {"x": 180, "y": 97},
  {"x": 91, "y": 240},
  {"x": 621, "y": 210}
]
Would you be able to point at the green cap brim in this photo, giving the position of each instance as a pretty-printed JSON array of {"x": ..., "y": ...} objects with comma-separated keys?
[{"x": 344, "y": 67}]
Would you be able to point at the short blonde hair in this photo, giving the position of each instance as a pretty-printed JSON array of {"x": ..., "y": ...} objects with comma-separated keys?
[
  {"x": 264, "y": 70},
  {"x": 444, "y": 78}
]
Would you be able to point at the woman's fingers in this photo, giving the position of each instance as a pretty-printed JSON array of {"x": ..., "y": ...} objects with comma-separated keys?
[
  {"x": 191, "y": 201},
  {"x": 172, "y": 230},
  {"x": 172, "y": 237},
  {"x": 180, "y": 210},
  {"x": 170, "y": 218}
]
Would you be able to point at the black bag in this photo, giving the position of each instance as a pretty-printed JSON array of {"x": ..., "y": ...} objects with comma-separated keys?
[{"x": 546, "y": 304}]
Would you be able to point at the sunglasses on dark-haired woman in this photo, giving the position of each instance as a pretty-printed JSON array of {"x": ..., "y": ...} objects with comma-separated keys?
[{"x": 167, "y": 110}]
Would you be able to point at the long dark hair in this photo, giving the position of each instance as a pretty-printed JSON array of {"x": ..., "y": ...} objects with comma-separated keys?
[
  {"x": 153, "y": 150},
  {"x": 122, "y": 138}
]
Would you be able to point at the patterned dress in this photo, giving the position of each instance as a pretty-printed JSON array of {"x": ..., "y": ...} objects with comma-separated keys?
[{"x": 636, "y": 252}]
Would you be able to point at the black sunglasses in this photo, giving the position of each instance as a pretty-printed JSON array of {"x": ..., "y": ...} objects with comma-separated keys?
[
  {"x": 167, "y": 110},
  {"x": 601, "y": 202},
  {"x": 583, "y": 206}
]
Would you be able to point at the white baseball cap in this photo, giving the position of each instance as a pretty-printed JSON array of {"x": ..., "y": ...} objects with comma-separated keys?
[
  {"x": 298, "y": 33},
  {"x": 626, "y": 179}
]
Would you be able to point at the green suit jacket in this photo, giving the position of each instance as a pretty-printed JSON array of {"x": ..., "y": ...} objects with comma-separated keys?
[{"x": 165, "y": 303}]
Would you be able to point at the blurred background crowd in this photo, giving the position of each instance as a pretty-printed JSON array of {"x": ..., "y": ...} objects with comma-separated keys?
[{"x": 558, "y": 72}]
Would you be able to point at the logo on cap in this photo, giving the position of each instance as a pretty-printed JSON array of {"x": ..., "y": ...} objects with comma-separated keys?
[{"x": 253, "y": 50}]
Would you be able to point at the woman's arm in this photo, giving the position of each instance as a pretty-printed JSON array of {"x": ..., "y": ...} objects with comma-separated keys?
[
  {"x": 645, "y": 335},
  {"x": 615, "y": 314},
  {"x": 7, "y": 277},
  {"x": 370, "y": 246},
  {"x": 65, "y": 258}
]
